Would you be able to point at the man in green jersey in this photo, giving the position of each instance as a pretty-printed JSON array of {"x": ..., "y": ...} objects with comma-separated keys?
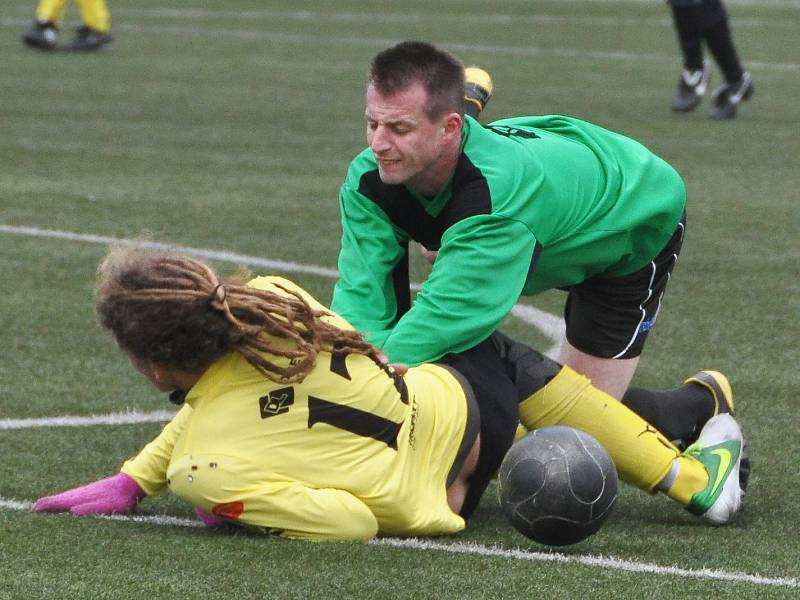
[{"x": 512, "y": 208}]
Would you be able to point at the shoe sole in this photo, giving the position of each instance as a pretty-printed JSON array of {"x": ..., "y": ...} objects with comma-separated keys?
[
  {"x": 99, "y": 48},
  {"x": 39, "y": 45},
  {"x": 478, "y": 87}
]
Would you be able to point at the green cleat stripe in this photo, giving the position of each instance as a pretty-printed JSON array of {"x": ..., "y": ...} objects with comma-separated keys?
[{"x": 719, "y": 461}]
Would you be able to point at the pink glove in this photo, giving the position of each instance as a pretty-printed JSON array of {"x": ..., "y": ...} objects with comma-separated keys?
[{"x": 112, "y": 495}]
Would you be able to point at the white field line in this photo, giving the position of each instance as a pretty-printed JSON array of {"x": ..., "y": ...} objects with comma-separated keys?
[
  {"x": 456, "y": 15},
  {"x": 448, "y": 17},
  {"x": 550, "y": 325},
  {"x": 221, "y": 255},
  {"x": 376, "y": 43},
  {"x": 502, "y": 50},
  {"x": 122, "y": 418},
  {"x": 605, "y": 562},
  {"x": 587, "y": 560}
]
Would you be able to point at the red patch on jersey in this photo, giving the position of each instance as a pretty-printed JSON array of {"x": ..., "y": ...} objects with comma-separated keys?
[{"x": 229, "y": 510}]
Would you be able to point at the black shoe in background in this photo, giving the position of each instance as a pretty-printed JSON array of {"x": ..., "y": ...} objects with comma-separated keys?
[
  {"x": 728, "y": 96},
  {"x": 88, "y": 40},
  {"x": 691, "y": 89},
  {"x": 42, "y": 36}
]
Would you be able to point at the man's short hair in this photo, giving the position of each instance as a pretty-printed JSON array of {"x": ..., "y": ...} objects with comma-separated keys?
[{"x": 441, "y": 74}]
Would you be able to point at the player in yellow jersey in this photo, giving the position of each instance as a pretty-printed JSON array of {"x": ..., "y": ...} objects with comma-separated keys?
[
  {"x": 93, "y": 34},
  {"x": 291, "y": 422}
]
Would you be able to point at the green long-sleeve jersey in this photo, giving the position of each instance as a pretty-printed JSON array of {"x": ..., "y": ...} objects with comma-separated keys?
[{"x": 534, "y": 203}]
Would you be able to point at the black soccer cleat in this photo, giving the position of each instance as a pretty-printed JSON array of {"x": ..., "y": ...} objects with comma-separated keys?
[
  {"x": 478, "y": 89},
  {"x": 691, "y": 89},
  {"x": 89, "y": 40},
  {"x": 43, "y": 36},
  {"x": 728, "y": 96}
]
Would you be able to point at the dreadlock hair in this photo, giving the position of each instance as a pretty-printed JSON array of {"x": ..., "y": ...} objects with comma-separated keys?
[
  {"x": 175, "y": 311},
  {"x": 439, "y": 72}
]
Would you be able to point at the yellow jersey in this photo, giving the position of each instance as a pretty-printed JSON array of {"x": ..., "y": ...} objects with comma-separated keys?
[{"x": 348, "y": 453}]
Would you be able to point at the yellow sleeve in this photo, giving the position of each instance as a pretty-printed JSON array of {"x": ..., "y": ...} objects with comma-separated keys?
[
  {"x": 232, "y": 487},
  {"x": 149, "y": 467}
]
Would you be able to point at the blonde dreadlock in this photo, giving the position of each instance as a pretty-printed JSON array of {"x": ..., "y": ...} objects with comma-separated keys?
[{"x": 175, "y": 310}]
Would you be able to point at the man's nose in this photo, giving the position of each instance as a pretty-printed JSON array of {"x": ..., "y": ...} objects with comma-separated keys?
[{"x": 380, "y": 139}]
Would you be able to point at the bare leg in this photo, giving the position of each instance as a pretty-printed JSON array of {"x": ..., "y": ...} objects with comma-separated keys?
[
  {"x": 457, "y": 491},
  {"x": 611, "y": 375}
]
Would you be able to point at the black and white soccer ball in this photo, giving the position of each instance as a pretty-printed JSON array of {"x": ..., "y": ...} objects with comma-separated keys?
[{"x": 557, "y": 485}]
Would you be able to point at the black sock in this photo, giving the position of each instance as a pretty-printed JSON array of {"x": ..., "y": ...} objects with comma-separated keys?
[{"x": 679, "y": 413}]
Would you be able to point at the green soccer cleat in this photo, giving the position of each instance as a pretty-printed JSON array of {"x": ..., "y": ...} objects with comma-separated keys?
[
  {"x": 478, "y": 89},
  {"x": 721, "y": 391},
  {"x": 719, "y": 448}
]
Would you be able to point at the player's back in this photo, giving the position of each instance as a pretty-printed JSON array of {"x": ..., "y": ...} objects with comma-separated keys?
[
  {"x": 349, "y": 425},
  {"x": 596, "y": 201}
]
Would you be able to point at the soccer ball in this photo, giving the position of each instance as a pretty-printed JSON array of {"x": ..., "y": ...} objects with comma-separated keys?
[{"x": 557, "y": 485}]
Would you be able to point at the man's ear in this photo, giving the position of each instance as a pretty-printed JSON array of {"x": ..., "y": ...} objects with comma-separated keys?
[{"x": 453, "y": 123}]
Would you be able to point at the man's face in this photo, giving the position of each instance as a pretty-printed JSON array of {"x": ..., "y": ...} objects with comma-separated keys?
[{"x": 407, "y": 145}]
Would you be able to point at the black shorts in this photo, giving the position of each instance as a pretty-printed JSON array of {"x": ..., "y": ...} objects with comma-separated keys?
[
  {"x": 472, "y": 428},
  {"x": 498, "y": 406},
  {"x": 610, "y": 317}
]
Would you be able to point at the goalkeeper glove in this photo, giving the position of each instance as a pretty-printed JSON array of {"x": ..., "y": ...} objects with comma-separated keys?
[{"x": 116, "y": 494}]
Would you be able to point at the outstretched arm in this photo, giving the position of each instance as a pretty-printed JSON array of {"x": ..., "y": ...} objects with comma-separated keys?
[
  {"x": 116, "y": 494},
  {"x": 141, "y": 476}
]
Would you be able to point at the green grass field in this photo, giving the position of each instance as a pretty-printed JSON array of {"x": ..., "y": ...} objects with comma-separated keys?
[{"x": 228, "y": 126}]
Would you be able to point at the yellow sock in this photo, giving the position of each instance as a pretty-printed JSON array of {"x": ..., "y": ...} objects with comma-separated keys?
[
  {"x": 642, "y": 455},
  {"x": 51, "y": 10},
  {"x": 94, "y": 14},
  {"x": 690, "y": 477}
]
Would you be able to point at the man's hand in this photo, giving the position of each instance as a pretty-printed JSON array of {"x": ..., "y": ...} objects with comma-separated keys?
[
  {"x": 430, "y": 255},
  {"x": 399, "y": 368},
  {"x": 112, "y": 495}
]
